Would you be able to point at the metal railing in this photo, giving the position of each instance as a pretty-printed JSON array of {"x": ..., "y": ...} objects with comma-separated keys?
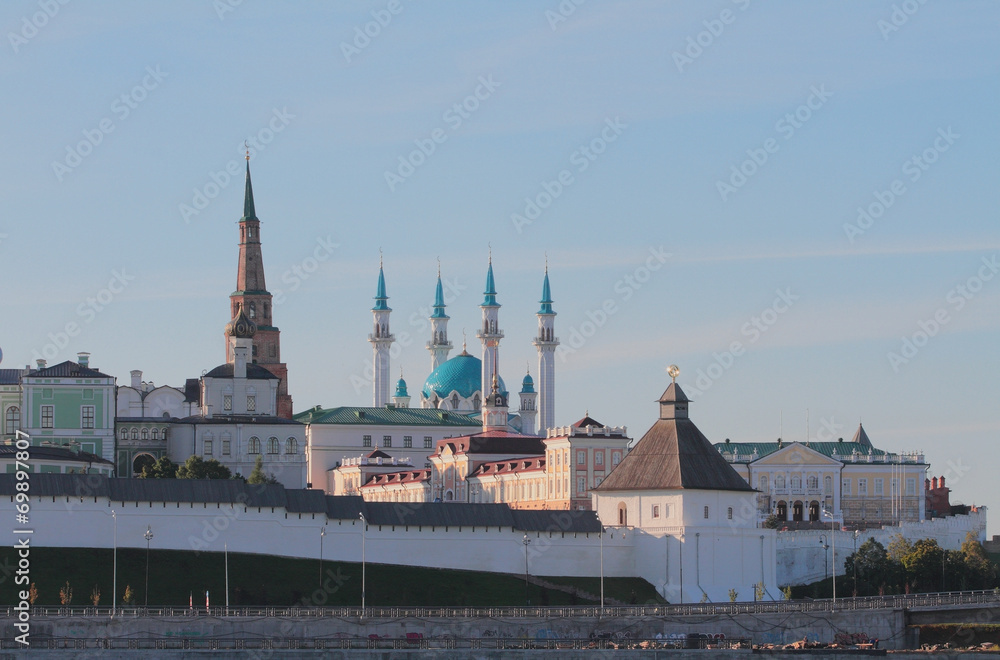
[
  {"x": 373, "y": 642},
  {"x": 939, "y": 599}
]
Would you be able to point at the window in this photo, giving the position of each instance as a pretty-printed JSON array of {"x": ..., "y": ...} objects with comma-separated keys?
[
  {"x": 779, "y": 481},
  {"x": 599, "y": 457},
  {"x": 581, "y": 457},
  {"x": 845, "y": 487},
  {"x": 706, "y": 513},
  {"x": 253, "y": 305},
  {"x": 597, "y": 481},
  {"x": 656, "y": 510},
  {"x": 407, "y": 441},
  {"x": 123, "y": 433},
  {"x": 156, "y": 434},
  {"x": 428, "y": 441},
  {"x": 227, "y": 401},
  {"x": 386, "y": 440},
  {"x": 135, "y": 434},
  {"x": 729, "y": 513},
  {"x": 291, "y": 446},
  {"x": 762, "y": 483},
  {"x": 87, "y": 417},
  {"x": 251, "y": 403},
  {"x": 581, "y": 484},
  {"x": 208, "y": 448},
  {"x": 145, "y": 434},
  {"x": 272, "y": 445},
  {"x": 879, "y": 486},
  {"x": 862, "y": 486},
  {"x": 796, "y": 482},
  {"x": 366, "y": 441},
  {"x": 48, "y": 413},
  {"x": 476, "y": 402},
  {"x": 828, "y": 485},
  {"x": 454, "y": 401},
  {"x": 911, "y": 486},
  {"x": 616, "y": 458},
  {"x": 558, "y": 458},
  {"x": 813, "y": 483},
  {"x": 225, "y": 447},
  {"x": 13, "y": 419},
  {"x": 253, "y": 446}
]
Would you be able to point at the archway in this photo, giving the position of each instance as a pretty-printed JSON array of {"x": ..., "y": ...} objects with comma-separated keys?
[
  {"x": 797, "y": 510},
  {"x": 140, "y": 461},
  {"x": 814, "y": 510},
  {"x": 782, "y": 511},
  {"x": 622, "y": 514}
]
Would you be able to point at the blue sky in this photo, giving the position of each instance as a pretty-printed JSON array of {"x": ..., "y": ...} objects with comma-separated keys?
[{"x": 834, "y": 100}]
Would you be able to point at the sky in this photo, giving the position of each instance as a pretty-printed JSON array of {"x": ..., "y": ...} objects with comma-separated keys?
[{"x": 793, "y": 202}]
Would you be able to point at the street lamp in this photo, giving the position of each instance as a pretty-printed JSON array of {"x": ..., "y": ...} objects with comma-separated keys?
[
  {"x": 857, "y": 533},
  {"x": 826, "y": 558},
  {"x": 833, "y": 543},
  {"x": 364, "y": 524},
  {"x": 526, "y": 541},
  {"x": 602, "y": 566},
  {"x": 114, "y": 581},
  {"x": 322, "y": 533},
  {"x": 149, "y": 537}
]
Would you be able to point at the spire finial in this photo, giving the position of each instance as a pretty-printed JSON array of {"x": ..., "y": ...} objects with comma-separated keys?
[
  {"x": 673, "y": 371},
  {"x": 490, "y": 246},
  {"x": 380, "y": 258},
  {"x": 546, "y": 263},
  {"x": 463, "y": 340},
  {"x": 247, "y": 146},
  {"x": 439, "y": 267}
]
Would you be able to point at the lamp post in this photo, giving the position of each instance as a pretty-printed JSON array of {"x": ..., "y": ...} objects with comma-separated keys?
[
  {"x": 826, "y": 558},
  {"x": 833, "y": 546},
  {"x": 526, "y": 541},
  {"x": 114, "y": 581},
  {"x": 149, "y": 537},
  {"x": 680, "y": 549},
  {"x": 602, "y": 566},
  {"x": 364, "y": 524},
  {"x": 761, "y": 568},
  {"x": 857, "y": 533},
  {"x": 322, "y": 533}
]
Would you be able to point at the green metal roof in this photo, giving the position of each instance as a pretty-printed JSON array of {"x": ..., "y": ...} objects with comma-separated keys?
[
  {"x": 744, "y": 451},
  {"x": 385, "y": 416}
]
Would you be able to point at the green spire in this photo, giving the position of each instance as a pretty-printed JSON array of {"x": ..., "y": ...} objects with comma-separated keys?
[
  {"x": 546, "y": 295},
  {"x": 491, "y": 288},
  {"x": 248, "y": 211},
  {"x": 439, "y": 300},
  {"x": 380, "y": 297}
]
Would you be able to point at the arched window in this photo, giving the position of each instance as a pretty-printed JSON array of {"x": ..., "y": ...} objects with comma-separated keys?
[
  {"x": 454, "y": 401},
  {"x": 145, "y": 433},
  {"x": 291, "y": 446},
  {"x": 828, "y": 485},
  {"x": 156, "y": 434},
  {"x": 13, "y": 421},
  {"x": 796, "y": 482},
  {"x": 135, "y": 434},
  {"x": 779, "y": 481},
  {"x": 476, "y": 402},
  {"x": 813, "y": 482},
  {"x": 729, "y": 513},
  {"x": 272, "y": 445},
  {"x": 253, "y": 309},
  {"x": 123, "y": 433},
  {"x": 253, "y": 445},
  {"x": 622, "y": 514},
  {"x": 762, "y": 483}
]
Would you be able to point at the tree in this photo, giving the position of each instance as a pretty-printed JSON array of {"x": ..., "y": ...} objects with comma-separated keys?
[
  {"x": 195, "y": 467},
  {"x": 66, "y": 594},
  {"x": 979, "y": 571},
  {"x": 129, "y": 597},
  {"x": 759, "y": 591},
  {"x": 874, "y": 567},
  {"x": 32, "y": 594},
  {"x": 771, "y": 522},
  {"x": 95, "y": 596},
  {"x": 258, "y": 475},
  {"x": 923, "y": 565},
  {"x": 163, "y": 468},
  {"x": 897, "y": 581}
]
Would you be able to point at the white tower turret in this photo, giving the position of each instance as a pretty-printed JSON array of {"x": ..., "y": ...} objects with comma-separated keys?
[
  {"x": 528, "y": 409},
  {"x": 490, "y": 334},
  {"x": 381, "y": 340},
  {"x": 546, "y": 343},
  {"x": 439, "y": 346}
]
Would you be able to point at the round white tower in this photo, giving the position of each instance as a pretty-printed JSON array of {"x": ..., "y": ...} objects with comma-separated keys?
[
  {"x": 546, "y": 343},
  {"x": 490, "y": 334},
  {"x": 381, "y": 340},
  {"x": 439, "y": 346}
]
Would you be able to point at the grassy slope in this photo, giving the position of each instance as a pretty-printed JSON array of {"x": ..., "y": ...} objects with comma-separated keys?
[{"x": 268, "y": 580}]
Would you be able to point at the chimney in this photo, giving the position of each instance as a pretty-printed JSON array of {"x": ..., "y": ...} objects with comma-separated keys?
[
  {"x": 136, "y": 378},
  {"x": 941, "y": 482},
  {"x": 83, "y": 358},
  {"x": 934, "y": 483},
  {"x": 40, "y": 363}
]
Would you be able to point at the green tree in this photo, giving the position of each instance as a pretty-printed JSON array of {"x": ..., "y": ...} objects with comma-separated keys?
[
  {"x": 979, "y": 571},
  {"x": 195, "y": 467},
  {"x": 771, "y": 522},
  {"x": 923, "y": 565},
  {"x": 258, "y": 476},
  {"x": 874, "y": 567},
  {"x": 163, "y": 468},
  {"x": 897, "y": 581}
]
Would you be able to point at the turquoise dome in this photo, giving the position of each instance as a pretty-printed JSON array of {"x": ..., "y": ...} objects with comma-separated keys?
[
  {"x": 462, "y": 373},
  {"x": 527, "y": 385},
  {"x": 401, "y": 387}
]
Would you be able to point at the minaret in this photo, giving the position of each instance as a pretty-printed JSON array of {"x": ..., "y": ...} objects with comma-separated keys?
[
  {"x": 495, "y": 408},
  {"x": 490, "y": 334},
  {"x": 401, "y": 399},
  {"x": 381, "y": 339},
  {"x": 252, "y": 296},
  {"x": 439, "y": 346},
  {"x": 528, "y": 409},
  {"x": 546, "y": 343}
]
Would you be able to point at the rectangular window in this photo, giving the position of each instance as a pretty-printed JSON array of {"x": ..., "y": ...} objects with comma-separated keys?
[
  {"x": 251, "y": 403},
  {"x": 48, "y": 413},
  {"x": 581, "y": 484},
  {"x": 87, "y": 417},
  {"x": 225, "y": 447},
  {"x": 656, "y": 510},
  {"x": 862, "y": 486},
  {"x": 616, "y": 458},
  {"x": 386, "y": 440},
  {"x": 366, "y": 441},
  {"x": 845, "y": 487},
  {"x": 208, "y": 448},
  {"x": 911, "y": 486},
  {"x": 428, "y": 440},
  {"x": 581, "y": 457},
  {"x": 597, "y": 481},
  {"x": 879, "y": 486},
  {"x": 227, "y": 401},
  {"x": 599, "y": 457},
  {"x": 407, "y": 441}
]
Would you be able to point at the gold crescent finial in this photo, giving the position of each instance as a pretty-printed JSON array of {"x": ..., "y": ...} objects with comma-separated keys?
[
  {"x": 439, "y": 267},
  {"x": 490, "y": 246},
  {"x": 247, "y": 146},
  {"x": 673, "y": 372},
  {"x": 546, "y": 263},
  {"x": 380, "y": 258}
]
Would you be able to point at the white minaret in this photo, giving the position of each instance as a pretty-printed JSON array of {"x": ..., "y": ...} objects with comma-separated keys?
[
  {"x": 381, "y": 340},
  {"x": 546, "y": 343},
  {"x": 495, "y": 408},
  {"x": 528, "y": 409},
  {"x": 401, "y": 399},
  {"x": 489, "y": 334},
  {"x": 439, "y": 346}
]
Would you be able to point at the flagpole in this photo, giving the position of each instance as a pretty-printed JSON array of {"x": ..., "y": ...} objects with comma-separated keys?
[{"x": 227, "y": 574}]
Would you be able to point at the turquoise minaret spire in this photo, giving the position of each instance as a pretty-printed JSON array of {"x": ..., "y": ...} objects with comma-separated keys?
[
  {"x": 381, "y": 340},
  {"x": 439, "y": 346},
  {"x": 546, "y": 343},
  {"x": 490, "y": 334}
]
